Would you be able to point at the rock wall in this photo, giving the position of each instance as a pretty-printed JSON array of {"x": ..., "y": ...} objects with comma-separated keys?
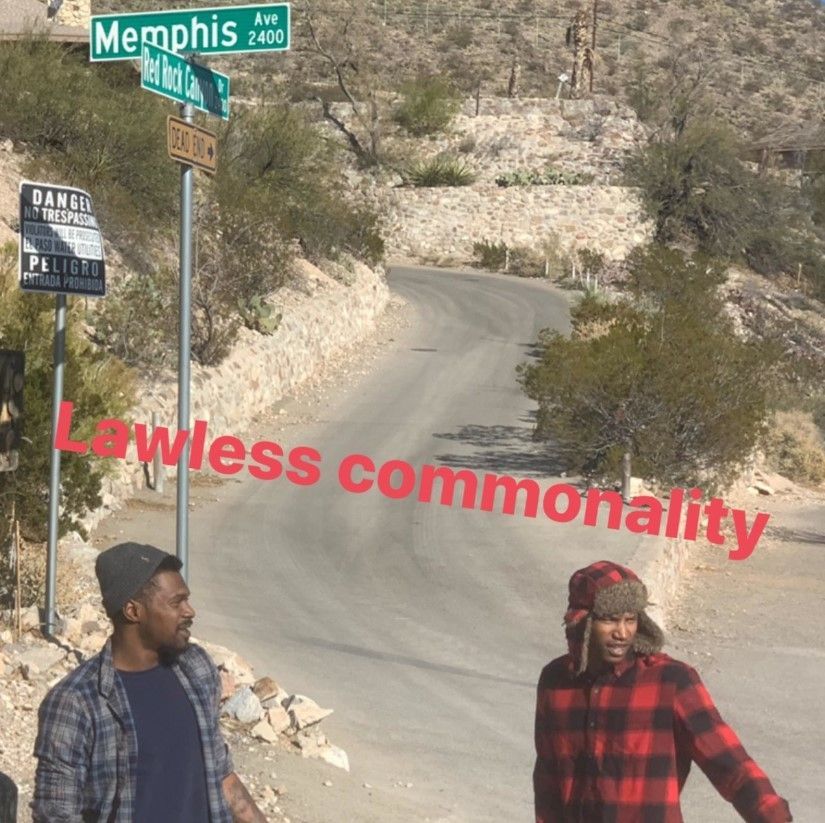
[
  {"x": 443, "y": 223},
  {"x": 74, "y": 13},
  {"x": 321, "y": 316}
]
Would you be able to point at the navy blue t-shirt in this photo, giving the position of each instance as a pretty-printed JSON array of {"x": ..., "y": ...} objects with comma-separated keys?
[{"x": 171, "y": 776}]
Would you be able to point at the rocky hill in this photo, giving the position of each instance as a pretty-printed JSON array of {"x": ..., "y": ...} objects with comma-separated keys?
[{"x": 762, "y": 59}]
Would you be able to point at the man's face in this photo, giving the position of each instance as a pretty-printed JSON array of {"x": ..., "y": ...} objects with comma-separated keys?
[
  {"x": 611, "y": 638},
  {"x": 166, "y": 615}
]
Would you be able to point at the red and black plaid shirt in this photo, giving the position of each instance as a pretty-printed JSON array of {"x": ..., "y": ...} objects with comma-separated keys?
[{"x": 617, "y": 748}]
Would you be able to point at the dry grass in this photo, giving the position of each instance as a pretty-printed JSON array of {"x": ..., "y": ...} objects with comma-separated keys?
[{"x": 795, "y": 448}]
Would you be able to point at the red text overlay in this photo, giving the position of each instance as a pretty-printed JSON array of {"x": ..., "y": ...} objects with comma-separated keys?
[{"x": 687, "y": 516}]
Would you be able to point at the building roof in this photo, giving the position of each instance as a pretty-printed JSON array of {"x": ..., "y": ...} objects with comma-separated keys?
[{"x": 21, "y": 18}]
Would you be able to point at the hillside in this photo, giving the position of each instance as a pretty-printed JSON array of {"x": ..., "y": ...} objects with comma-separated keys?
[{"x": 761, "y": 59}]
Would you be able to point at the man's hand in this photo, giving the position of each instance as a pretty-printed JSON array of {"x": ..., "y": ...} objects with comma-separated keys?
[{"x": 241, "y": 804}]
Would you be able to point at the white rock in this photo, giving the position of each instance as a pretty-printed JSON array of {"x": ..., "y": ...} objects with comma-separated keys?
[
  {"x": 279, "y": 719},
  {"x": 244, "y": 706},
  {"x": 335, "y": 756},
  {"x": 303, "y": 711},
  {"x": 263, "y": 731},
  {"x": 39, "y": 659}
]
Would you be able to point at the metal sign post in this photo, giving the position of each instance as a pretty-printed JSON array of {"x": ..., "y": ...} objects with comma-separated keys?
[
  {"x": 61, "y": 251},
  {"x": 54, "y": 469},
  {"x": 184, "y": 354}
]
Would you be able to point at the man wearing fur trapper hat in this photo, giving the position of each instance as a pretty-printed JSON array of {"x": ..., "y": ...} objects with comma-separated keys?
[{"x": 618, "y": 722}]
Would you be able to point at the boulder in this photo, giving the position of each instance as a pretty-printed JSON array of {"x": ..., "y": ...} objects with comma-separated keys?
[
  {"x": 279, "y": 719},
  {"x": 243, "y": 706},
  {"x": 265, "y": 688},
  {"x": 231, "y": 662},
  {"x": 303, "y": 711},
  {"x": 762, "y": 487},
  {"x": 228, "y": 684},
  {"x": 263, "y": 731},
  {"x": 39, "y": 659},
  {"x": 335, "y": 756}
]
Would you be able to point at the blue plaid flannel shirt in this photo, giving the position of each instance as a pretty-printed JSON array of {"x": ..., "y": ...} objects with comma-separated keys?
[{"x": 86, "y": 745}]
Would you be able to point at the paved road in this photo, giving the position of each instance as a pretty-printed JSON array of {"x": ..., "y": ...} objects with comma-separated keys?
[
  {"x": 424, "y": 626},
  {"x": 751, "y": 630}
]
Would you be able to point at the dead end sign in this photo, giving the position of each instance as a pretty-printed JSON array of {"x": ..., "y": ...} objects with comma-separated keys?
[
  {"x": 61, "y": 247},
  {"x": 191, "y": 144}
]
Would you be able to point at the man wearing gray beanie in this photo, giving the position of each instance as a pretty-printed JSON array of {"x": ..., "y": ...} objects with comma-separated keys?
[{"x": 132, "y": 734}]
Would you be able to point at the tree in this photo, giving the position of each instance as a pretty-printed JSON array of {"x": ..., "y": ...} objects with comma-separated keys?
[
  {"x": 665, "y": 381},
  {"x": 347, "y": 59},
  {"x": 695, "y": 189},
  {"x": 99, "y": 386}
]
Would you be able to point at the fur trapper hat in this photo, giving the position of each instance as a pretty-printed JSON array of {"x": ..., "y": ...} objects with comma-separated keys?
[{"x": 604, "y": 589}]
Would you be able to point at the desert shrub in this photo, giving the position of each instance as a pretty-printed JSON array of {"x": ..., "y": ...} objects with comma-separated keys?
[
  {"x": 93, "y": 127},
  {"x": 33, "y": 577},
  {"x": 490, "y": 255},
  {"x": 138, "y": 320},
  {"x": 694, "y": 187},
  {"x": 525, "y": 262},
  {"x": 460, "y": 36},
  {"x": 428, "y": 106},
  {"x": 548, "y": 177},
  {"x": 794, "y": 447},
  {"x": 467, "y": 145},
  {"x": 99, "y": 385},
  {"x": 667, "y": 381},
  {"x": 277, "y": 185},
  {"x": 440, "y": 171},
  {"x": 557, "y": 255}
]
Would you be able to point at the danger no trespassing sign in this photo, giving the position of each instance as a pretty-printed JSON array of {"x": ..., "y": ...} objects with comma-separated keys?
[{"x": 61, "y": 248}]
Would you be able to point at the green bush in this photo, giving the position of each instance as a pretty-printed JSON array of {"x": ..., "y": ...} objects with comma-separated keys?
[
  {"x": 548, "y": 177},
  {"x": 668, "y": 382},
  {"x": 694, "y": 187},
  {"x": 138, "y": 320},
  {"x": 490, "y": 255},
  {"x": 277, "y": 185},
  {"x": 524, "y": 262},
  {"x": 440, "y": 171},
  {"x": 428, "y": 106},
  {"x": 98, "y": 384},
  {"x": 91, "y": 126}
]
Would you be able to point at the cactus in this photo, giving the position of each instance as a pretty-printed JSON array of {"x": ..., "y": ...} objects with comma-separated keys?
[{"x": 258, "y": 315}]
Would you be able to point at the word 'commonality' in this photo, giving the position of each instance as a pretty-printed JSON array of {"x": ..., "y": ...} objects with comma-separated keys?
[{"x": 397, "y": 480}]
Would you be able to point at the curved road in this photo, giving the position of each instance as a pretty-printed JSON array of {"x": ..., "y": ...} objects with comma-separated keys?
[{"x": 424, "y": 626}]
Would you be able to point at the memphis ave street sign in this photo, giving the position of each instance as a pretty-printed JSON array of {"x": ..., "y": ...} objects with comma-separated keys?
[
  {"x": 61, "y": 248},
  {"x": 223, "y": 30},
  {"x": 171, "y": 75}
]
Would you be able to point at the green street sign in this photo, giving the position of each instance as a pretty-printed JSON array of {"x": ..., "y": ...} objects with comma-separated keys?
[
  {"x": 173, "y": 76},
  {"x": 222, "y": 30}
]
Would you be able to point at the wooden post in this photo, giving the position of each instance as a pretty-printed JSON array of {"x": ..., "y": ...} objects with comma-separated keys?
[
  {"x": 478, "y": 98},
  {"x": 626, "y": 477},
  {"x": 158, "y": 471},
  {"x": 17, "y": 592}
]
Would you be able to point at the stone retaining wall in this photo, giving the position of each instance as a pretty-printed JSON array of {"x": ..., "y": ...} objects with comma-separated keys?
[
  {"x": 321, "y": 316},
  {"x": 443, "y": 223},
  {"x": 74, "y": 13}
]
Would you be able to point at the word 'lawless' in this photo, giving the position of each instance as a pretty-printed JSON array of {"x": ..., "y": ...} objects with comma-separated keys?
[{"x": 397, "y": 480}]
